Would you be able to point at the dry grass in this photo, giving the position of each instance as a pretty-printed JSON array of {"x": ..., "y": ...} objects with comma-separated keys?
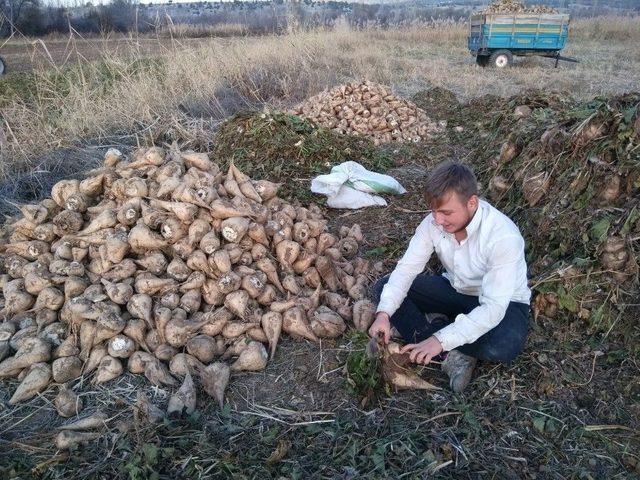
[
  {"x": 182, "y": 30},
  {"x": 134, "y": 92},
  {"x": 607, "y": 28}
]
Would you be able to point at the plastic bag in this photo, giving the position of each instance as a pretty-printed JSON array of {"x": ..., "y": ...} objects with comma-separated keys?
[{"x": 350, "y": 185}]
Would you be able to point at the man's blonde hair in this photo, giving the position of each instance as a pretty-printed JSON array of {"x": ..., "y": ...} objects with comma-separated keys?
[{"x": 447, "y": 177}]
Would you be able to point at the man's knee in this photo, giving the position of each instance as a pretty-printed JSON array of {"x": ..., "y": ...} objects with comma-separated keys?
[
  {"x": 376, "y": 290},
  {"x": 507, "y": 340},
  {"x": 500, "y": 355},
  {"x": 502, "y": 350}
]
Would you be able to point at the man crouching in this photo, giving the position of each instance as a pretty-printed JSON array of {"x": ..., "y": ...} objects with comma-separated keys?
[{"x": 483, "y": 295}]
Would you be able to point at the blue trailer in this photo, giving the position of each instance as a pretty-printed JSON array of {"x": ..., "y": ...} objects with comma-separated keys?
[{"x": 495, "y": 38}]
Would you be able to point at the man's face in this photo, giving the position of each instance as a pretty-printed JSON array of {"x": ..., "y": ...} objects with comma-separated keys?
[{"x": 453, "y": 214}]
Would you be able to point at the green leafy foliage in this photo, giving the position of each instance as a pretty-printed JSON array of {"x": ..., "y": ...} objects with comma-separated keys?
[
  {"x": 633, "y": 217},
  {"x": 580, "y": 146},
  {"x": 145, "y": 461},
  {"x": 363, "y": 373},
  {"x": 289, "y": 149},
  {"x": 600, "y": 228}
]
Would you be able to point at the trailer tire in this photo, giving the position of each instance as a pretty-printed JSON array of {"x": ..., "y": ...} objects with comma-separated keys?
[
  {"x": 501, "y": 59},
  {"x": 482, "y": 60},
  {"x": 3, "y": 67}
]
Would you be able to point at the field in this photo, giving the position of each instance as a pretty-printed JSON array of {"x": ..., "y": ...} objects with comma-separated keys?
[
  {"x": 129, "y": 94},
  {"x": 568, "y": 407}
]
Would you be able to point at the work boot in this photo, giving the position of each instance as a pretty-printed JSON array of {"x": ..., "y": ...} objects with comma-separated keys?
[
  {"x": 437, "y": 320},
  {"x": 395, "y": 334},
  {"x": 459, "y": 367}
]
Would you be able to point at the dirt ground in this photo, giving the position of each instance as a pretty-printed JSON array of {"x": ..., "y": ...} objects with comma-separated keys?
[
  {"x": 568, "y": 407},
  {"x": 561, "y": 410}
]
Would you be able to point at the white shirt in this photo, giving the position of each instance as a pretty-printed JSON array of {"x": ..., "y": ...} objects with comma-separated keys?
[{"x": 489, "y": 264}]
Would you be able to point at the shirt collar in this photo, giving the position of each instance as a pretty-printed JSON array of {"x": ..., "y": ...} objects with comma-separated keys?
[{"x": 474, "y": 224}]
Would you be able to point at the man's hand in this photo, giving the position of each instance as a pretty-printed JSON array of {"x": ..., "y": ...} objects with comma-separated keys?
[
  {"x": 424, "y": 351},
  {"x": 381, "y": 324}
]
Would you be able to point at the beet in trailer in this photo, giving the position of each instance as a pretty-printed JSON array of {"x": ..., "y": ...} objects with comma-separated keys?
[{"x": 495, "y": 38}]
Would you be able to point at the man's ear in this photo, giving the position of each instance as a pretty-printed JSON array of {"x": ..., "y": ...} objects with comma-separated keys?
[{"x": 473, "y": 202}]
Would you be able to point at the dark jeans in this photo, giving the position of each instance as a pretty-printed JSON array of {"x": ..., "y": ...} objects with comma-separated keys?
[{"x": 434, "y": 294}]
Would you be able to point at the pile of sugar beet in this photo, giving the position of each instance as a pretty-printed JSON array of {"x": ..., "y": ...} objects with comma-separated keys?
[
  {"x": 515, "y": 6},
  {"x": 368, "y": 109},
  {"x": 164, "y": 265}
]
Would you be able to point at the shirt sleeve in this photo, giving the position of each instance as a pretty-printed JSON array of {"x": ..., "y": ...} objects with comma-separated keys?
[
  {"x": 496, "y": 293},
  {"x": 409, "y": 266}
]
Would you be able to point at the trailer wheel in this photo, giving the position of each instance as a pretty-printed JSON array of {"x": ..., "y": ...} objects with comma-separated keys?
[
  {"x": 501, "y": 59},
  {"x": 482, "y": 60},
  {"x": 2, "y": 66}
]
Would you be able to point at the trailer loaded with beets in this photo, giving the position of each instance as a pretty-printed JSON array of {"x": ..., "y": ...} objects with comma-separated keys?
[{"x": 495, "y": 38}]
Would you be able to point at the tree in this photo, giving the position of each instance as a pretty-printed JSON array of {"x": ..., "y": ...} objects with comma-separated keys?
[
  {"x": 119, "y": 15},
  {"x": 31, "y": 20},
  {"x": 12, "y": 12},
  {"x": 56, "y": 19}
]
